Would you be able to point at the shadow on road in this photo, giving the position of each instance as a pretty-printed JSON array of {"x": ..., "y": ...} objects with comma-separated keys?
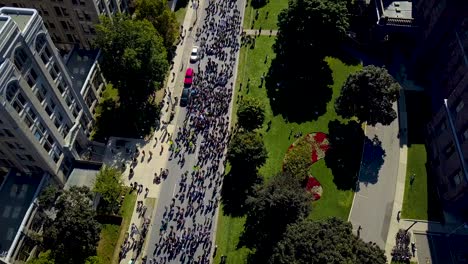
[
  {"x": 372, "y": 160},
  {"x": 344, "y": 155}
]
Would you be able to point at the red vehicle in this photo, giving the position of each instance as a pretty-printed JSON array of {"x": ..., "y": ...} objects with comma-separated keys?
[{"x": 188, "y": 77}]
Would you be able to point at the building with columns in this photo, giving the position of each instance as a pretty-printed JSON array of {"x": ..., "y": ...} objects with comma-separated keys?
[{"x": 46, "y": 109}]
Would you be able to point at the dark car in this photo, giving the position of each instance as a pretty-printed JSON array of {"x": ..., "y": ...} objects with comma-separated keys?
[{"x": 185, "y": 97}]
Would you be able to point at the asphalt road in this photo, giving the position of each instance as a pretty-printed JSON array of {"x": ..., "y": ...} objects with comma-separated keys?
[
  {"x": 170, "y": 186},
  {"x": 373, "y": 201}
]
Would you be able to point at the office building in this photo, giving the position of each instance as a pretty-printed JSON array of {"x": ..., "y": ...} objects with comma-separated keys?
[
  {"x": 46, "y": 109},
  {"x": 71, "y": 22},
  {"x": 442, "y": 56}
]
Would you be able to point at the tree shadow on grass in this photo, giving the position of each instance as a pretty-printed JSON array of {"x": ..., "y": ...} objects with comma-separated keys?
[
  {"x": 372, "y": 160},
  {"x": 237, "y": 185},
  {"x": 344, "y": 155},
  {"x": 299, "y": 90}
]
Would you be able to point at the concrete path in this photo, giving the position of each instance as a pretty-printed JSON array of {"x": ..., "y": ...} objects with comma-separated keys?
[
  {"x": 264, "y": 32},
  {"x": 373, "y": 201}
]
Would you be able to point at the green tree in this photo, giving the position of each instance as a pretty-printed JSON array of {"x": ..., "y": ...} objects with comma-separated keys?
[
  {"x": 310, "y": 28},
  {"x": 43, "y": 258},
  {"x": 280, "y": 202},
  {"x": 93, "y": 260},
  {"x": 247, "y": 150},
  {"x": 251, "y": 113},
  {"x": 109, "y": 185},
  {"x": 73, "y": 233},
  {"x": 327, "y": 241},
  {"x": 162, "y": 18},
  {"x": 369, "y": 95},
  {"x": 134, "y": 58}
]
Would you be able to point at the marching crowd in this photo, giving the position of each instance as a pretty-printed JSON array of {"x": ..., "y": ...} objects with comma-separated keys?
[{"x": 186, "y": 227}]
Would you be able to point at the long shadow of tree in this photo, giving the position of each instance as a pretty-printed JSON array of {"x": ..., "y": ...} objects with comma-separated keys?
[
  {"x": 372, "y": 160},
  {"x": 299, "y": 90},
  {"x": 344, "y": 155},
  {"x": 238, "y": 184}
]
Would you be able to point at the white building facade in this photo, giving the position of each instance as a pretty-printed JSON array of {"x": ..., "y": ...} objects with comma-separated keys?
[{"x": 44, "y": 120}]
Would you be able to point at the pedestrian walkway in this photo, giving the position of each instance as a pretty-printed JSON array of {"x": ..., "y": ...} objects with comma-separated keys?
[{"x": 263, "y": 32}]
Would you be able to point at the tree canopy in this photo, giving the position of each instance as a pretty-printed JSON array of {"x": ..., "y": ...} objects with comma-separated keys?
[
  {"x": 279, "y": 202},
  {"x": 134, "y": 58},
  {"x": 247, "y": 149},
  {"x": 369, "y": 95},
  {"x": 327, "y": 241},
  {"x": 43, "y": 258},
  {"x": 163, "y": 19},
  {"x": 310, "y": 28},
  {"x": 73, "y": 234},
  {"x": 299, "y": 78},
  {"x": 109, "y": 185},
  {"x": 251, "y": 113}
]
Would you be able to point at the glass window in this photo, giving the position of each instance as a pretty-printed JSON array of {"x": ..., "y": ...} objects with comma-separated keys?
[
  {"x": 17, "y": 107},
  {"x": 11, "y": 91},
  {"x": 47, "y": 146},
  {"x": 30, "y": 158},
  {"x": 21, "y": 157},
  {"x": 8, "y": 133},
  {"x": 57, "y": 123},
  {"x": 21, "y": 99},
  {"x": 49, "y": 110},
  {"x": 21, "y": 58},
  {"x": 28, "y": 121},
  {"x": 41, "y": 127},
  {"x": 38, "y": 135},
  {"x": 32, "y": 114},
  {"x": 19, "y": 146},
  {"x": 40, "y": 42},
  {"x": 11, "y": 146},
  {"x": 50, "y": 139}
]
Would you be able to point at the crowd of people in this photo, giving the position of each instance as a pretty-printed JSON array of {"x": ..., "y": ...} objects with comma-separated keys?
[{"x": 185, "y": 233}]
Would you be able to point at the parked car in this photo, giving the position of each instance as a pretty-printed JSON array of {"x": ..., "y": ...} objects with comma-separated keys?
[
  {"x": 194, "y": 54},
  {"x": 188, "y": 77},
  {"x": 185, "y": 97}
]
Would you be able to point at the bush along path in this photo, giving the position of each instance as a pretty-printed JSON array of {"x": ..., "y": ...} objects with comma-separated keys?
[{"x": 301, "y": 155}]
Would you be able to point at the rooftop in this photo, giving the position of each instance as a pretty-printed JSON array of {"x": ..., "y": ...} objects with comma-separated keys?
[
  {"x": 79, "y": 64},
  {"x": 21, "y": 16},
  {"x": 82, "y": 176},
  {"x": 16, "y": 194},
  {"x": 399, "y": 9},
  {"x": 3, "y": 21}
]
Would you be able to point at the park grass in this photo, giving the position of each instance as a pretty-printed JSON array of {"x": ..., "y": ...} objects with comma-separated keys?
[
  {"x": 334, "y": 202},
  {"x": 108, "y": 242},
  {"x": 229, "y": 230},
  {"x": 126, "y": 211},
  {"x": 415, "y": 201},
  {"x": 273, "y": 7}
]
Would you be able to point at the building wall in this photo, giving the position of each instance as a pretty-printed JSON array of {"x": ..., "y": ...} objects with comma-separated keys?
[
  {"x": 38, "y": 105},
  {"x": 71, "y": 22}
]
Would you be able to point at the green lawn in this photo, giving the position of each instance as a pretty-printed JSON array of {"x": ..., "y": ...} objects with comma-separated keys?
[
  {"x": 108, "y": 242},
  {"x": 126, "y": 212},
  {"x": 333, "y": 202},
  {"x": 264, "y": 21},
  {"x": 229, "y": 230},
  {"x": 420, "y": 200}
]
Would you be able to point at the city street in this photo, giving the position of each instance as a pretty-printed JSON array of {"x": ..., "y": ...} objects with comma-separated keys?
[{"x": 193, "y": 199}]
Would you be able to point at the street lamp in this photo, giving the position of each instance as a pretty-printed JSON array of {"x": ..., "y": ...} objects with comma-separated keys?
[{"x": 464, "y": 225}]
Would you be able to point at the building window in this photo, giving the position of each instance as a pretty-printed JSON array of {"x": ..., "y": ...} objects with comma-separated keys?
[
  {"x": 40, "y": 42},
  {"x": 21, "y": 58},
  {"x": 58, "y": 11},
  {"x": 68, "y": 100},
  {"x": 8, "y": 133},
  {"x": 21, "y": 157},
  {"x": 460, "y": 106},
  {"x": 54, "y": 71},
  {"x": 449, "y": 149},
  {"x": 32, "y": 114},
  {"x": 19, "y": 146},
  {"x": 46, "y": 55},
  {"x": 28, "y": 121},
  {"x": 61, "y": 87},
  {"x": 47, "y": 146},
  {"x": 21, "y": 99},
  {"x": 41, "y": 93},
  {"x": 17, "y": 107},
  {"x": 70, "y": 38},
  {"x": 32, "y": 78},
  {"x": 30, "y": 158},
  {"x": 457, "y": 178},
  {"x": 11, "y": 146},
  {"x": 11, "y": 91},
  {"x": 64, "y": 25}
]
